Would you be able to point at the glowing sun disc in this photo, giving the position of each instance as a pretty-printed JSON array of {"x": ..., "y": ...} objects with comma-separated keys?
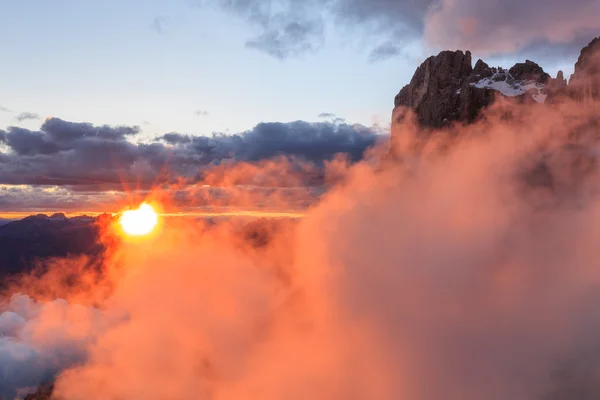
[{"x": 139, "y": 222}]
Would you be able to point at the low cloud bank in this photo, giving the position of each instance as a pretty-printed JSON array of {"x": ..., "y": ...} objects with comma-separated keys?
[
  {"x": 67, "y": 162},
  {"x": 40, "y": 339},
  {"x": 467, "y": 269}
]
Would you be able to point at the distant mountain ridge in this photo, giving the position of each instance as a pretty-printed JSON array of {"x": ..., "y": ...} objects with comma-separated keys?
[
  {"x": 4, "y": 221},
  {"x": 41, "y": 236},
  {"x": 446, "y": 88}
]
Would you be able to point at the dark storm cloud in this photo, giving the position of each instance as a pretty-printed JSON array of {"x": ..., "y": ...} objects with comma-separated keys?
[
  {"x": 25, "y": 142},
  {"x": 312, "y": 141},
  {"x": 66, "y": 131},
  {"x": 176, "y": 138},
  {"x": 25, "y": 116},
  {"x": 68, "y": 153},
  {"x": 85, "y": 157},
  {"x": 57, "y": 136}
]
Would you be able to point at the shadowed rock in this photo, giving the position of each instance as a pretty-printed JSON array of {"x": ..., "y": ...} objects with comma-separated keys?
[
  {"x": 529, "y": 71},
  {"x": 585, "y": 81},
  {"x": 446, "y": 89}
]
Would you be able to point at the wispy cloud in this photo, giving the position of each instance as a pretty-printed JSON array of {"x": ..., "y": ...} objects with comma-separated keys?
[
  {"x": 326, "y": 115},
  {"x": 26, "y": 116},
  {"x": 332, "y": 118},
  {"x": 284, "y": 39},
  {"x": 385, "y": 51},
  {"x": 292, "y": 27},
  {"x": 201, "y": 113},
  {"x": 159, "y": 23}
]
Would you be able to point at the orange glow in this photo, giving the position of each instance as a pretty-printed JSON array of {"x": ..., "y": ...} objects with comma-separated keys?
[{"x": 139, "y": 222}]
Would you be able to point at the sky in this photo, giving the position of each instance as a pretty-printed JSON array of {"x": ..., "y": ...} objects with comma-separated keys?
[
  {"x": 96, "y": 94},
  {"x": 176, "y": 66}
]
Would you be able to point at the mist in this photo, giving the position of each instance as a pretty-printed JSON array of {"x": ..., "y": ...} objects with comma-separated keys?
[{"x": 465, "y": 269}]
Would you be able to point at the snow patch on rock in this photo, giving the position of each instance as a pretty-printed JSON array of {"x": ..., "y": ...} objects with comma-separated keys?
[{"x": 504, "y": 83}]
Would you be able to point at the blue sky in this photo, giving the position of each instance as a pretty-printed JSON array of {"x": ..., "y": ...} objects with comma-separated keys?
[{"x": 105, "y": 62}]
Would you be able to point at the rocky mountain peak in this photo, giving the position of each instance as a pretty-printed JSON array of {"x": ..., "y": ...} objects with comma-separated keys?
[
  {"x": 435, "y": 74},
  {"x": 558, "y": 84},
  {"x": 58, "y": 217},
  {"x": 588, "y": 58},
  {"x": 529, "y": 71},
  {"x": 446, "y": 88},
  {"x": 482, "y": 70},
  {"x": 585, "y": 81}
]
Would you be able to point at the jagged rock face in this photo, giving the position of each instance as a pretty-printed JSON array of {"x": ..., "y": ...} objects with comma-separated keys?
[
  {"x": 445, "y": 88},
  {"x": 585, "y": 81},
  {"x": 557, "y": 84},
  {"x": 529, "y": 71},
  {"x": 588, "y": 59},
  {"x": 433, "y": 91},
  {"x": 437, "y": 91},
  {"x": 482, "y": 70}
]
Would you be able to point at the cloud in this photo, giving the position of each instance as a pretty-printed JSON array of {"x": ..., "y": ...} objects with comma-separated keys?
[
  {"x": 4, "y": 109},
  {"x": 68, "y": 153},
  {"x": 159, "y": 23},
  {"x": 486, "y": 28},
  {"x": 506, "y": 27},
  {"x": 326, "y": 115},
  {"x": 89, "y": 159},
  {"x": 505, "y": 307},
  {"x": 333, "y": 118},
  {"x": 38, "y": 340},
  {"x": 402, "y": 18},
  {"x": 285, "y": 29},
  {"x": 385, "y": 51},
  {"x": 290, "y": 28},
  {"x": 313, "y": 141},
  {"x": 284, "y": 38},
  {"x": 25, "y": 116},
  {"x": 551, "y": 55},
  {"x": 201, "y": 113},
  {"x": 25, "y": 198}
]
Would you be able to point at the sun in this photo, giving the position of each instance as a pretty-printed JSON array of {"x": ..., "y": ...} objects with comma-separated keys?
[{"x": 139, "y": 222}]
